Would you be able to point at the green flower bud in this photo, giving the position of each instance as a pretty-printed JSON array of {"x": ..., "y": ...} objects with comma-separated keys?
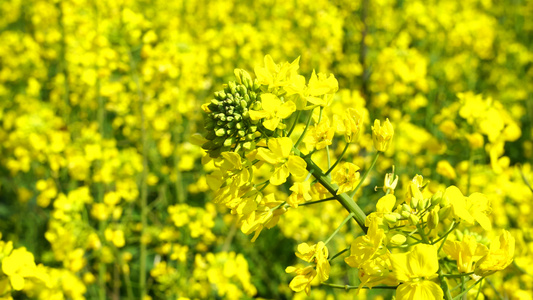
[
  {"x": 433, "y": 219},
  {"x": 436, "y": 198},
  {"x": 229, "y": 142},
  {"x": 444, "y": 212},
  {"x": 398, "y": 239},
  {"x": 414, "y": 219},
  {"x": 414, "y": 202},
  {"x": 248, "y": 145},
  {"x": 390, "y": 218}
]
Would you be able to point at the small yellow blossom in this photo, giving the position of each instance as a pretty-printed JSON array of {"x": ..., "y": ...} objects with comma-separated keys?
[
  {"x": 279, "y": 155},
  {"x": 500, "y": 255},
  {"x": 346, "y": 176},
  {"x": 476, "y": 207},
  {"x": 382, "y": 135},
  {"x": 300, "y": 193},
  {"x": 273, "y": 111},
  {"x": 445, "y": 169},
  {"x": 466, "y": 253},
  {"x": 352, "y": 124}
]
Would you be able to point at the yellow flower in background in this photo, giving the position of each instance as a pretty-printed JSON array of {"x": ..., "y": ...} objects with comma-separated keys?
[
  {"x": 346, "y": 176},
  {"x": 445, "y": 169},
  {"x": 466, "y": 252},
  {"x": 499, "y": 256},
  {"x": 474, "y": 208},
  {"x": 279, "y": 155},
  {"x": 415, "y": 270},
  {"x": 382, "y": 135},
  {"x": 352, "y": 124},
  {"x": 321, "y": 134},
  {"x": 273, "y": 111}
]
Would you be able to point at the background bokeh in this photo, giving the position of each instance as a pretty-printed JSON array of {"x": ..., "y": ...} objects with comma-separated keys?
[{"x": 102, "y": 187}]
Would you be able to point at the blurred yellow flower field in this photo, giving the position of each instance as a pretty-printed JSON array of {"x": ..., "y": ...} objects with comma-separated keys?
[{"x": 324, "y": 149}]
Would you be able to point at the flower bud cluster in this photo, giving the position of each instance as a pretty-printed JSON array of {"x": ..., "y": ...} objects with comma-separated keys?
[{"x": 227, "y": 118}]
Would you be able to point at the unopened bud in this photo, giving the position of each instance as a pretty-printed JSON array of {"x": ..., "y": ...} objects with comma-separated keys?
[
  {"x": 414, "y": 202},
  {"x": 444, "y": 212},
  {"x": 414, "y": 219},
  {"x": 433, "y": 219},
  {"x": 436, "y": 198},
  {"x": 220, "y": 132},
  {"x": 390, "y": 218},
  {"x": 398, "y": 239}
]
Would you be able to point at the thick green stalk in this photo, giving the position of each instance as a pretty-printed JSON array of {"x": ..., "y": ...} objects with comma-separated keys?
[{"x": 346, "y": 201}]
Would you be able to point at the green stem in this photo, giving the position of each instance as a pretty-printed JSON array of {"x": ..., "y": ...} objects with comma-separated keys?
[
  {"x": 366, "y": 174},
  {"x": 318, "y": 201},
  {"x": 494, "y": 288},
  {"x": 339, "y": 228},
  {"x": 144, "y": 184},
  {"x": 351, "y": 287},
  {"x": 479, "y": 290},
  {"x": 470, "y": 164},
  {"x": 328, "y": 157},
  {"x": 444, "y": 285},
  {"x": 264, "y": 186},
  {"x": 339, "y": 159},
  {"x": 457, "y": 275},
  {"x": 422, "y": 234},
  {"x": 305, "y": 130},
  {"x": 336, "y": 255},
  {"x": 466, "y": 291},
  {"x": 445, "y": 236},
  {"x": 524, "y": 178},
  {"x": 346, "y": 201},
  {"x": 295, "y": 122}
]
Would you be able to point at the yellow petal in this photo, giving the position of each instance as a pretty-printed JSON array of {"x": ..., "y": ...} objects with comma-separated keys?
[
  {"x": 271, "y": 124},
  {"x": 267, "y": 155},
  {"x": 297, "y": 166},
  {"x": 458, "y": 202},
  {"x": 281, "y": 146},
  {"x": 258, "y": 114},
  {"x": 270, "y": 102},
  {"x": 280, "y": 175},
  {"x": 286, "y": 110},
  {"x": 386, "y": 203},
  {"x": 422, "y": 290}
]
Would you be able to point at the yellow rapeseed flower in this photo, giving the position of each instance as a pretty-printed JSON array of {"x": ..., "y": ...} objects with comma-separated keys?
[
  {"x": 382, "y": 135},
  {"x": 415, "y": 271}
]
